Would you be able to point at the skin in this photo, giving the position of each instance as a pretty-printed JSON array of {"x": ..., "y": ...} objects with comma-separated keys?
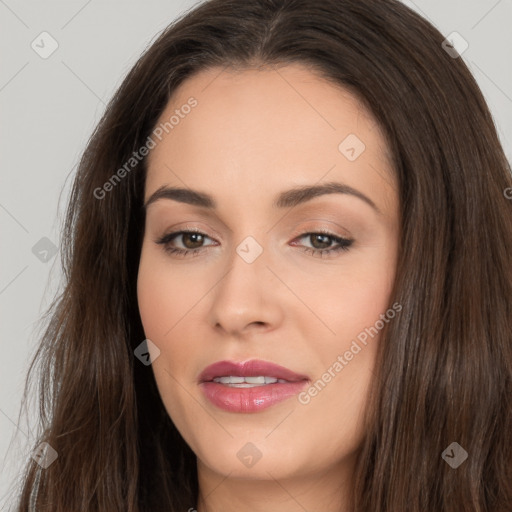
[{"x": 252, "y": 135}]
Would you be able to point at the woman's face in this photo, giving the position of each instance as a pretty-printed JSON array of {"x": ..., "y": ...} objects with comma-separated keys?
[{"x": 296, "y": 279}]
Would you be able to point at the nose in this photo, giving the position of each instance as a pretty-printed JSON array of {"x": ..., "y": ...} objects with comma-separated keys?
[{"x": 247, "y": 297}]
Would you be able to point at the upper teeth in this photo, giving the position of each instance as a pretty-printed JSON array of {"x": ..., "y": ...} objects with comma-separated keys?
[{"x": 232, "y": 379}]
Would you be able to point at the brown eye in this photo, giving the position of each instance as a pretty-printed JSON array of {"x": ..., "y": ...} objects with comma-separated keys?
[
  {"x": 191, "y": 242},
  {"x": 195, "y": 239},
  {"x": 320, "y": 241}
]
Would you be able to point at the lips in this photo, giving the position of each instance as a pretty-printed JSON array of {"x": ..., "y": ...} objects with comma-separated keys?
[
  {"x": 251, "y": 395},
  {"x": 252, "y": 368}
]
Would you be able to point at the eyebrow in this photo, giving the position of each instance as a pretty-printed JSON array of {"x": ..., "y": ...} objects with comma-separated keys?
[{"x": 286, "y": 199}]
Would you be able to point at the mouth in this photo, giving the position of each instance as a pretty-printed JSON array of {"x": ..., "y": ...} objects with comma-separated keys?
[
  {"x": 249, "y": 386},
  {"x": 247, "y": 382}
]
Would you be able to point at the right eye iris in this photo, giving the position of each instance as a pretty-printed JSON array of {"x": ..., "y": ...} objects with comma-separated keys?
[{"x": 199, "y": 239}]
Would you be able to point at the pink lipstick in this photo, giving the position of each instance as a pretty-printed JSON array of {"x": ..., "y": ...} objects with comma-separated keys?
[{"x": 249, "y": 386}]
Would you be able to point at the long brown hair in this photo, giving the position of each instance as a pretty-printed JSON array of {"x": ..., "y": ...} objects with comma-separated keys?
[{"x": 444, "y": 366}]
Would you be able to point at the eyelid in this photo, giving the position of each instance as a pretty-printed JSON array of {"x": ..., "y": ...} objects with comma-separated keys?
[
  {"x": 319, "y": 227},
  {"x": 209, "y": 232},
  {"x": 296, "y": 232}
]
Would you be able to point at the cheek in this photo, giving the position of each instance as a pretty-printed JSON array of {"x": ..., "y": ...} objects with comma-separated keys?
[
  {"x": 166, "y": 298},
  {"x": 352, "y": 306},
  {"x": 156, "y": 302},
  {"x": 351, "y": 299},
  {"x": 162, "y": 295},
  {"x": 162, "y": 301},
  {"x": 369, "y": 288}
]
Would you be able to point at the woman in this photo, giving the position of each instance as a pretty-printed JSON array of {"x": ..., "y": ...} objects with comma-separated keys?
[{"x": 287, "y": 276}]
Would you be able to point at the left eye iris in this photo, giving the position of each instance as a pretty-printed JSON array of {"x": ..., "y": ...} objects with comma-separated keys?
[{"x": 327, "y": 240}]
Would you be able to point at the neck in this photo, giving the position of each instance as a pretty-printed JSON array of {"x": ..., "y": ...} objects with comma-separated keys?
[{"x": 328, "y": 491}]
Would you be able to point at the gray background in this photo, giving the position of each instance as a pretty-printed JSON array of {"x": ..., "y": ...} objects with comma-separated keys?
[{"x": 49, "y": 108}]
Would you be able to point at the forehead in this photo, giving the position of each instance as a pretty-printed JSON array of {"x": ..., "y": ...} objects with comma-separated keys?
[{"x": 266, "y": 128}]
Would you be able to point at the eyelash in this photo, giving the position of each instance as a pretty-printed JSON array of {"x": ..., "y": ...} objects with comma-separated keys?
[{"x": 344, "y": 243}]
